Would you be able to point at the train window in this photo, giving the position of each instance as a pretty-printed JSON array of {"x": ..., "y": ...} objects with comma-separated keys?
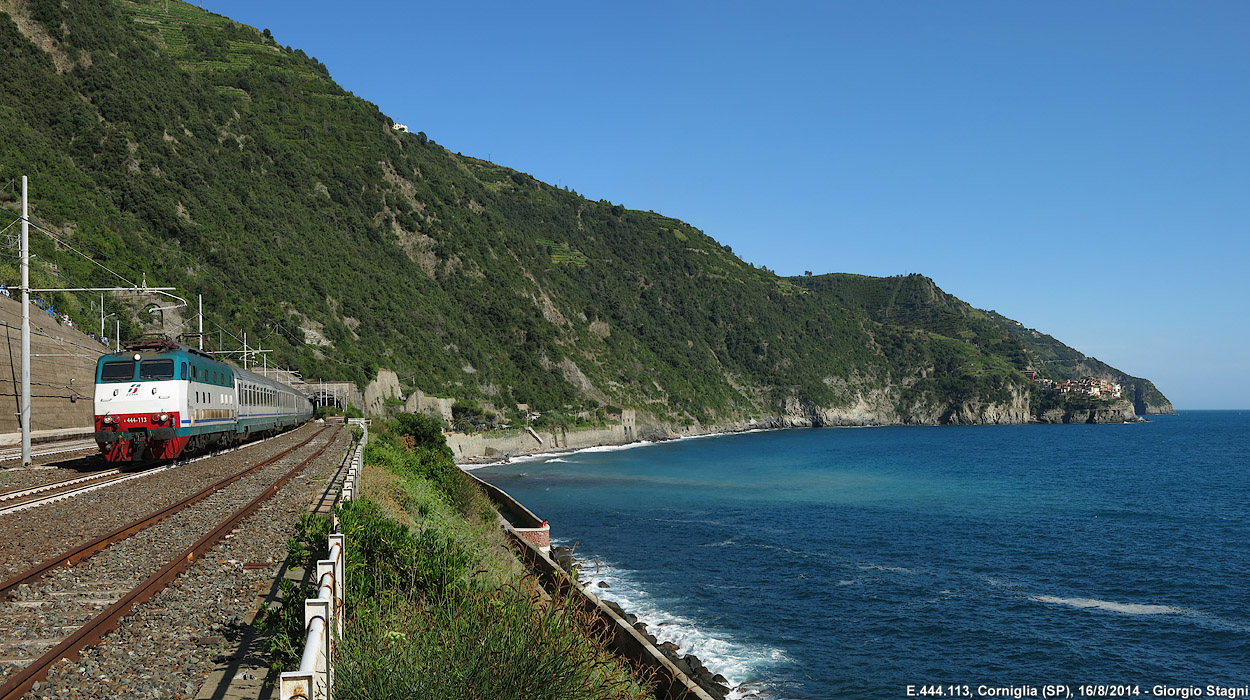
[
  {"x": 182, "y": 374},
  {"x": 123, "y": 371},
  {"x": 214, "y": 376},
  {"x": 156, "y": 369}
]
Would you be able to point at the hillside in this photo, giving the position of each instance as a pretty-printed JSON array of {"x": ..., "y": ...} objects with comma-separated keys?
[
  {"x": 176, "y": 143},
  {"x": 915, "y": 301}
]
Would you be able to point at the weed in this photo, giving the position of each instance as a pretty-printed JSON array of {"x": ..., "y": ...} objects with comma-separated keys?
[
  {"x": 282, "y": 625},
  {"x": 309, "y": 542}
]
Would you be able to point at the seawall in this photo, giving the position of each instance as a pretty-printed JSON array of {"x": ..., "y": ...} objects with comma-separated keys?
[
  {"x": 627, "y": 640},
  {"x": 468, "y": 447}
]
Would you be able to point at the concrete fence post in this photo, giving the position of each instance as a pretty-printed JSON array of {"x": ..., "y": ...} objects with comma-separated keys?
[
  {"x": 296, "y": 685},
  {"x": 313, "y": 609}
]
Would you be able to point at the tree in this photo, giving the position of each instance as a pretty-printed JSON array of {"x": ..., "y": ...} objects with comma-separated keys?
[{"x": 425, "y": 431}]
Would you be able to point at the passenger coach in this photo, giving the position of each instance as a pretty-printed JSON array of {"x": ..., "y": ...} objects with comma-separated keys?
[{"x": 157, "y": 399}]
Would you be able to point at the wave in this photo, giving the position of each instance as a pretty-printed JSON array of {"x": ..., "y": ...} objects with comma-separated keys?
[
  {"x": 727, "y": 432},
  {"x": 878, "y": 567},
  {"x": 739, "y": 663},
  {"x": 516, "y": 459},
  {"x": 616, "y": 448},
  {"x": 1124, "y": 608}
]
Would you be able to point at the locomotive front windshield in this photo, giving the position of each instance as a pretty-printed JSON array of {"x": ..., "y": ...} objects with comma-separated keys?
[
  {"x": 156, "y": 369},
  {"x": 121, "y": 371}
]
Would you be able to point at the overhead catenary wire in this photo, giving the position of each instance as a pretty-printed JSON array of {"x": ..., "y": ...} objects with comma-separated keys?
[
  {"x": 210, "y": 273},
  {"x": 61, "y": 241}
]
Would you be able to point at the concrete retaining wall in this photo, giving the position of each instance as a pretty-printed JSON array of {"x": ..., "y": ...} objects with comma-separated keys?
[
  {"x": 466, "y": 446},
  {"x": 62, "y": 365},
  {"x": 671, "y": 682}
]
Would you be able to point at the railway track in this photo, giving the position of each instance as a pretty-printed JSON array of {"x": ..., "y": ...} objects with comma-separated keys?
[
  {"x": 32, "y": 490},
  {"x": 55, "y": 611},
  {"x": 35, "y": 496},
  {"x": 19, "y": 499}
]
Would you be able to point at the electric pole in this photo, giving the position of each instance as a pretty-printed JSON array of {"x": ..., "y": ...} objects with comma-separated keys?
[{"x": 25, "y": 252}]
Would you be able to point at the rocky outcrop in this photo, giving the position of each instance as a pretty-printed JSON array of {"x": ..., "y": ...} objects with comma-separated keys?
[
  {"x": 418, "y": 402},
  {"x": 381, "y": 390},
  {"x": 1147, "y": 401},
  {"x": 1121, "y": 411},
  {"x": 879, "y": 407}
]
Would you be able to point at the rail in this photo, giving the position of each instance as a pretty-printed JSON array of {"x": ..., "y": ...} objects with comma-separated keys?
[
  {"x": 323, "y": 615},
  {"x": 91, "y": 633}
]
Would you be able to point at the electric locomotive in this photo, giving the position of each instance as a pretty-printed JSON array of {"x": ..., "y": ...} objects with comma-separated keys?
[{"x": 157, "y": 399}]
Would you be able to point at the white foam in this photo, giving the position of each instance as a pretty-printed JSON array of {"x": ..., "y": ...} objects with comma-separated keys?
[
  {"x": 616, "y": 448},
  {"x": 734, "y": 432},
  {"x": 1125, "y": 608},
  {"x": 738, "y": 663},
  {"x": 878, "y": 567},
  {"x": 537, "y": 457},
  {"x": 552, "y": 456}
]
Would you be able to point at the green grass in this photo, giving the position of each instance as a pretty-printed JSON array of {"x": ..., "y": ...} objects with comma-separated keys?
[{"x": 437, "y": 605}]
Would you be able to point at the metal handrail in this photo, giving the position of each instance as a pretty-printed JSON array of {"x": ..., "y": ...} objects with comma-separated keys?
[{"x": 323, "y": 615}]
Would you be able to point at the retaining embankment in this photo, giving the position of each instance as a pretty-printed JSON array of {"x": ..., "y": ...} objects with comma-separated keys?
[
  {"x": 62, "y": 371},
  {"x": 671, "y": 682}
]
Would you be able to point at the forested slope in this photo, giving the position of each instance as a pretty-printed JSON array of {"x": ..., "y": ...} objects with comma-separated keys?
[
  {"x": 915, "y": 301},
  {"x": 172, "y": 142}
]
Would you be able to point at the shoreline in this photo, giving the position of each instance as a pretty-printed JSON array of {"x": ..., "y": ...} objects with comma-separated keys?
[
  {"x": 655, "y": 438},
  {"x": 473, "y": 463}
]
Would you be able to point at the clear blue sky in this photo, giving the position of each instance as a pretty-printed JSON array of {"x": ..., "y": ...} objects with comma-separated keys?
[{"x": 1081, "y": 167}]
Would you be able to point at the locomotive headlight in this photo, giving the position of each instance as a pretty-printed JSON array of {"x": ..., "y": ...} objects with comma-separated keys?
[
  {"x": 108, "y": 420},
  {"x": 162, "y": 417}
]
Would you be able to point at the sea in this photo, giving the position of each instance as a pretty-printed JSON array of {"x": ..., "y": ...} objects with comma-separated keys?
[{"x": 895, "y": 562}]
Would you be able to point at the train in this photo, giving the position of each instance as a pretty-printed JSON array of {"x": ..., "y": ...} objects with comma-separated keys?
[{"x": 157, "y": 399}]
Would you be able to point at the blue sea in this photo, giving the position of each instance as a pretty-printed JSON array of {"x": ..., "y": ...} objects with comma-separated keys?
[{"x": 855, "y": 562}]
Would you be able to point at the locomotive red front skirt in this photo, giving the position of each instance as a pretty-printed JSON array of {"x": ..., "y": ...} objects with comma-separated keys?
[{"x": 132, "y": 437}]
